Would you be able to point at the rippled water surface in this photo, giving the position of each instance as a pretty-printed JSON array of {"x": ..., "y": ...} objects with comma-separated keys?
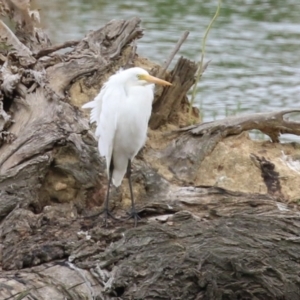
[{"x": 254, "y": 44}]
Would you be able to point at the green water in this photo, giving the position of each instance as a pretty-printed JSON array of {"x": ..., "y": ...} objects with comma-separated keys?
[{"x": 254, "y": 45}]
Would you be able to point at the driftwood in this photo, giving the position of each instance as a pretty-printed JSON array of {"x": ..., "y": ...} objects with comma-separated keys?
[
  {"x": 272, "y": 124},
  {"x": 231, "y": 246},
  {"x": 193, "y": 242},
  {"x": 171, "y": 100},
  {"x": 185, "y": 154}
]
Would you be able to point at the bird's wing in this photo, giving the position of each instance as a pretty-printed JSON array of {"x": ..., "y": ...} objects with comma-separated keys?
[
  {"x": 104, "y": 112},
  {"x": 96, "y": 106},
  {"x": 107, "y": 123}
]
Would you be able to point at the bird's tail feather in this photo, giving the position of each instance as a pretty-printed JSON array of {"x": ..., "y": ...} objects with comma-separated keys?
[
  {"x": 120, "y": 166},
  {"x": 90, "y": 104},
  {"x": 94, "y": 115},
  {"x": 118, "y": 176}
]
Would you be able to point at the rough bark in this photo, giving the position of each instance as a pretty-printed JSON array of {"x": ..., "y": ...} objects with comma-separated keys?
[
  {"x": 169, "y": 103},
  {"x": 192, "y": 242},
  {"x": 197, "y": 243}
]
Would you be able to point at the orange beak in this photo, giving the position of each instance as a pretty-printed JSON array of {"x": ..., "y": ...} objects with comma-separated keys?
[{"x": 155, "y": 80}]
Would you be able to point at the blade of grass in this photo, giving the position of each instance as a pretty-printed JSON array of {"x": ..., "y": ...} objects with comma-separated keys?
[{"x": 201, "y": 68}]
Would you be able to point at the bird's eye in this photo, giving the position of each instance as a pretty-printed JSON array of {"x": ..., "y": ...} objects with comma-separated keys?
[{"x": 141, "y": 77}]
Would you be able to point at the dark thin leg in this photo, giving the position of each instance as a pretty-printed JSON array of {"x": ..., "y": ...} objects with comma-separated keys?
[
  {"x": 133, "y": 213},
  {"x": 106, "y": 211}
]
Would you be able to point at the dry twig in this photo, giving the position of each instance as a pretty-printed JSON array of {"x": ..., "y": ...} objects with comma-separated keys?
[{"x": 173, "y": 53}]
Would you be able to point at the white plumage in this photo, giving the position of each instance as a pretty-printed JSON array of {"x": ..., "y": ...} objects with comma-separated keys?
[{"x": 121, "y": 111}]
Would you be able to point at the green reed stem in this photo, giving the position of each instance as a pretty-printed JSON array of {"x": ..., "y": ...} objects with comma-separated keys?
[{"x": 200, "y": 68}]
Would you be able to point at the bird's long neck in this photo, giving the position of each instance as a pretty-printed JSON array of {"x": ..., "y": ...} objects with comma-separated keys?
[{"x": 140, "y": 94}]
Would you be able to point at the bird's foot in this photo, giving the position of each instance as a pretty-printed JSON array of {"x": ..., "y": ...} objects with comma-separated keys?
[
  {"x": 106, "y": 214},
  {"x": 133, "y": 215}
]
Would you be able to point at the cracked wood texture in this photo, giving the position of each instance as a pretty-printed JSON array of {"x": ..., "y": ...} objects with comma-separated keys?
[
  {"x": 229, "y": 246},
  {"x": 193, "y": 242}
]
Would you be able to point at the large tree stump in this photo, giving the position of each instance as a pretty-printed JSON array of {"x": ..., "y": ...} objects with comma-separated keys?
[
  {"x": 168, "y": 107},
  {"x": 193, "y": 242}
]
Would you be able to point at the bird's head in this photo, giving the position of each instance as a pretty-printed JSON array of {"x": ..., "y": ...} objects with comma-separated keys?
[{"x": 139, "y": 76}]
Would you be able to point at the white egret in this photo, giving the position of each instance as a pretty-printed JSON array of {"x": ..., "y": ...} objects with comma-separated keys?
[{"x": 121, "y": 111}]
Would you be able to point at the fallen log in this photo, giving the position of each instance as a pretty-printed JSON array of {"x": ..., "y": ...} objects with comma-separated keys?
[
  {"x": 197, "y": 243},
  {"x": 188, "y": 150}
]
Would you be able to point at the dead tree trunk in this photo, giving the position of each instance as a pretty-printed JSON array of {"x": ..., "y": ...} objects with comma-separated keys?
[{"x": 193, "y": 242}]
